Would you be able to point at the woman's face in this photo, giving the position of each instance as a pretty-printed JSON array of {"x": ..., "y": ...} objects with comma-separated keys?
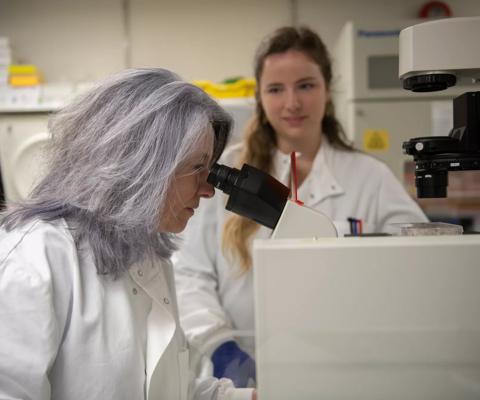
[
  {"x": 293, "y": 94},
  {"x": 189, "y": 185}
]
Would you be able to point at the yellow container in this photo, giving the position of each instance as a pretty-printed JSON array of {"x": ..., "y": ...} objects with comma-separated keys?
[
  {"x": 22, "y": 69},
  {"x": 239, "y": 88},
  {"x": 24, "y": 80},
  {"x": 23, "y": 75}
]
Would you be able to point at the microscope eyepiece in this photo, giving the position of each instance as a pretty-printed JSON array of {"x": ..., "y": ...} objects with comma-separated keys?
[
  {"x": 253, "y": 193},
  {"x": 223, "y": 177}
]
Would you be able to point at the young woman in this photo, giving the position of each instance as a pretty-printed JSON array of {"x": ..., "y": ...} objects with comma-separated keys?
[
  {"x": 87, "y": 302},
  {"x": 294, "y": 113}
]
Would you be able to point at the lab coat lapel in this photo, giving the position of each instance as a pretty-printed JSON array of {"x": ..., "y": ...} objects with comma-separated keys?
[
  {"x": 161, "y": 323},
  {"x": 321, "y": 183},
  {"x": 281, "y": 167},
  {"x": 160, "y": 334}
]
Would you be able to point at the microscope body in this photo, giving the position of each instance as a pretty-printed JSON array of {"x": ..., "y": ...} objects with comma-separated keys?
[
  {"x": 300, "y": 221},
  {"x": 434, "y": 56},
  {"x": 459, "y": 151}
]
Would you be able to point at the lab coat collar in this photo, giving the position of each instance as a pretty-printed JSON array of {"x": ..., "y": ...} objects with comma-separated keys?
[
  {"x": 146, "y": 275},
  {"x": 320, "y": 182}
]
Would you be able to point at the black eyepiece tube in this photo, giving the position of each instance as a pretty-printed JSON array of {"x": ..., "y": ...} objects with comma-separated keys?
[
  {"x": 253, "y": 193},
  {"x": 223, "y": 177}
]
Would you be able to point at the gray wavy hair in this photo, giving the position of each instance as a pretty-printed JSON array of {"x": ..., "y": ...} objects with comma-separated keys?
[{"x": 113, "y": 157}]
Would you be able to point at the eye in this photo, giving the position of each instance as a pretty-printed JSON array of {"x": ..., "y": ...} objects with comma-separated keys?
[
  {"x": 307, "y": 85},
  {"x": 274, "y": 89}
]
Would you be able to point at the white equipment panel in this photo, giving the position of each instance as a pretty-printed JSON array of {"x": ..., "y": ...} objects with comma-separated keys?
[
  {"x": 22, "y": 140},
  {"x": 368, "y": 318}
]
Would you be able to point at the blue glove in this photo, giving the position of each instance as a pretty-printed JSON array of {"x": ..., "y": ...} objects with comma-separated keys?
[{"x": 229, "y": 361}]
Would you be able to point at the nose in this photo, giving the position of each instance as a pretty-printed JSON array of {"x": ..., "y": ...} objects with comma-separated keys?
[
  {"x": 206, "y": 190},
  {"x": 292, "y": 101}
]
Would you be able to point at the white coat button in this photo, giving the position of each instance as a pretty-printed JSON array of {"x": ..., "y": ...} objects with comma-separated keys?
[
  {"x": 166, "y": 301},
  {"x": 312, "y": 195},
  {"x": 134, "y": 291},
  {"x": 140, "y": 272}
]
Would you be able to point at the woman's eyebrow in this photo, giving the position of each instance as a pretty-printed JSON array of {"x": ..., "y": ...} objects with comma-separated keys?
[
  {"x": 270, "y": 84},
  {"x": 307, "y": 79}
]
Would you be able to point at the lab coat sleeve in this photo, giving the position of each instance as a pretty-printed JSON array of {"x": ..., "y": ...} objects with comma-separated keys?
[
  {"x": 394, "y": 204},
  {"x": 31, "y": 320},
  {"x": 219, "y": 389},
  {"x": 202, "y": 316}
]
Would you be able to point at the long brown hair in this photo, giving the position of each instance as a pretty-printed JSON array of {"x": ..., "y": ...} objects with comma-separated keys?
[{"x": 260, "y": 139}]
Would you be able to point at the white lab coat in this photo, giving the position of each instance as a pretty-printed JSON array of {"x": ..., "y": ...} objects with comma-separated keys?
[
  {"x": 68, "y": 333},
  {"x": 215, "y": 299}
]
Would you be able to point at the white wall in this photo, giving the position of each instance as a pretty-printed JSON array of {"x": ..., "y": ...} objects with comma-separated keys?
[
  {"x": 208, "y": 39},
  {"x": 69, "y": 40},
  {"x": 81, "y": 40}
]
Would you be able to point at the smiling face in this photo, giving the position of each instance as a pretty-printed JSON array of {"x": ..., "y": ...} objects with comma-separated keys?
[
  {"x": 189, "y": 185},
  {"x": 293, "y": 94}
]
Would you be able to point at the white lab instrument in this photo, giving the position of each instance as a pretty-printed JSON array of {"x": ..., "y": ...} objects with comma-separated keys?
[
  {"x": 368, "y": 318},
  {"x": 435, "y": 56},
  {"x": 443, "y": 47},
  {"x": 374, "y": 109}
]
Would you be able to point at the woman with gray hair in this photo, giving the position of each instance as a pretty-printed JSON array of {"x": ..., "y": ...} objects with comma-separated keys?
[{"x": 87, "y": 302}]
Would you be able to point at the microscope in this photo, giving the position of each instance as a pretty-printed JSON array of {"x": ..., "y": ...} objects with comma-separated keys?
[
  {"x": 434, "y": 56},
  {"x": 257, "y": 195}
]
